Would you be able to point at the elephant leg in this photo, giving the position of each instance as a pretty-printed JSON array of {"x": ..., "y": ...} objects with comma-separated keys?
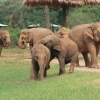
[
  {"x": 36, "y": 72},
  {"x": 97, "y": 49},
  {"x": 32, "y": 73},
  {"x": 62, "y": 65},
  {"x": 48, "y": 67},
  {"x": 86, "y": 58},
  {"x": 42, "y": 73},
  {"x": 73, "y": 62},
  {"x": 30, "y": 46},
  {"x": 92, "y": 50},
  {"x": 45, "y": 72},
  {"x": 1, "y": 46},
  {"x": 77, "y": 62}
]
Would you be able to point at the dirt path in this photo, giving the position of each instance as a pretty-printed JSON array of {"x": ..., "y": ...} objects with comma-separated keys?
[
  {"x": 81, "y": 68},
  {"x": 26, "y": 57}
]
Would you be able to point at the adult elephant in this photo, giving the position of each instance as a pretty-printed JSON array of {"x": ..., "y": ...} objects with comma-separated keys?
[
  {"x": 62, "y": 48},
  {"x": 4, "y": 39},
  {"x": 62, "y": 33},
  {"x": 87, "y": 37},
  {"x": 32, "y": 36}
]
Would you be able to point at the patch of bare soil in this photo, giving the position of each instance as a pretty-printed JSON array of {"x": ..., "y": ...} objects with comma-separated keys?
[
  {"x": 27, "y": 57},
  {"x": 81, "y": 68},
  {"x": 16, "y": 56}
]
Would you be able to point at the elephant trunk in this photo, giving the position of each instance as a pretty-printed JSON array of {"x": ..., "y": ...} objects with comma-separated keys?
[
  {"x": 22, "y": 44},
  {"x": 7, "y": 42}
]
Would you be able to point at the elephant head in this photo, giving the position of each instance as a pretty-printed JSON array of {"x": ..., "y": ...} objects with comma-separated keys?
[
  {"x": 94, "y": 32},
  {"x": 51, "y": 41},
  {"x": 25, "y": 37},
  {"x": 5, "y": 37},
  {"x": 63, "y": 32}
]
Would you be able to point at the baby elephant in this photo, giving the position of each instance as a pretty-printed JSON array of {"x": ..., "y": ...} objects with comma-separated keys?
[{"x": 40, "y": 62}]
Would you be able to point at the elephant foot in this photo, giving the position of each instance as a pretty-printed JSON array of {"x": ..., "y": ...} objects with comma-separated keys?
[
  {"x": 41, "y": 79},
  {"x": 61, "y": 73},
  {"x": 77, "y": 65},
  {"x": 31, "y": 79},
  {"x": 88, "y": 65},
  {"x": 96, "y": 66},
  {"x": 0, "y": 55},
  {"x": 70, "y": 72}
]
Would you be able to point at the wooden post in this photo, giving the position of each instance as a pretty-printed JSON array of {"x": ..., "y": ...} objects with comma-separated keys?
[
  {"x": 64, "y": 24},
  {"x": 47, "y": 17}
]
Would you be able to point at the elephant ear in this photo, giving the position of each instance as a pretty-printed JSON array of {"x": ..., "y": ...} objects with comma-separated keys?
[
  {"x": 89, "y": 32},
  {"x": 30, "y": 38},
  {"x": 57, "y": 47},
  {"x": 0, "y": 36}
]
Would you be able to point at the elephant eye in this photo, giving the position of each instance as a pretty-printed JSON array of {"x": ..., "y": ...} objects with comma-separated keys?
[
  {"x": 98, "y": 34},
  {"x": 4, "y": 38},
  {"x": 22, "y": 38},
  {"x": 36, "y": 57},
  {"x": 50, "y": 41}
]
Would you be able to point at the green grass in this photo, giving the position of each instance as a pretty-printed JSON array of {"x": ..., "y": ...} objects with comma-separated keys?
[
  {"x": 1, "y": 1},
  {"x": 15, "y": 84}
]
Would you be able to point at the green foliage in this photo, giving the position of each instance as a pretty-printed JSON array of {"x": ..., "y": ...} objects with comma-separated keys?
[
  {"x": 86, "y": 14},
  {"x": 16, "y": 15},
  {"x": 78, "y": 17},
  {"x": 2, "y": 1},
  {"x": 14, "y": 35}
]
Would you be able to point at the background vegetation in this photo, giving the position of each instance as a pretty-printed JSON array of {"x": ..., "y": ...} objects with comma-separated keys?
[{"x": 17, "y": 16}]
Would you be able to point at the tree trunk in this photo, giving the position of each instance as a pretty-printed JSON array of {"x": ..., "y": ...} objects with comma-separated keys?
[
  {"x": 64, "y": 24},
  {"x": 47, "y": 17}
]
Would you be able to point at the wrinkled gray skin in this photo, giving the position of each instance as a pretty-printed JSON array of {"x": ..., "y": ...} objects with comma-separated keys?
[
  {"x": 62, "y": 48},
  {"x": 32, "y": 36},
  {"x": 40, "y": 62},
  {"x": 87, "y": 37},
  {"x": 4, "y": 39}
]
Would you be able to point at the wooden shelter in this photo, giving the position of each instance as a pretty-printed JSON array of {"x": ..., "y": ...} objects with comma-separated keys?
[{"x": 64, "y": 4}]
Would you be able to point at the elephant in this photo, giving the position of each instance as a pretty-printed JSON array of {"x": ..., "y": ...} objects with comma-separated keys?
[
  {"x": 32, "y": 36},
  {"x": 4, "y": 39},
  {"x": 87, "y": 38},
  {"x": 63, "y": 32},
  {"x": 40, "y": 62},
  {"x": 62, "y": 48}
]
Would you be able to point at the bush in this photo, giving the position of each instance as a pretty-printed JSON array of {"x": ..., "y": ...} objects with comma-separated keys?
[
  {"x": 78, "y": 17},
  {"x": 14, "y": 36}
]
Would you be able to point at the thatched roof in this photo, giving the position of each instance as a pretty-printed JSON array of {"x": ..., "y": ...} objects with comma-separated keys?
[{"x": 60, "y": 3}]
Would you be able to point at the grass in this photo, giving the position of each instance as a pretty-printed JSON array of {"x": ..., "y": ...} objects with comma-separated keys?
[
  {"x": 15, "y": 83},
  {"x": 1, "y": 1}
]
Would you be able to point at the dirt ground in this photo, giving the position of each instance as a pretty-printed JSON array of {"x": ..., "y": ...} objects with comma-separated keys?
[{"x": 26, "y": 57}]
